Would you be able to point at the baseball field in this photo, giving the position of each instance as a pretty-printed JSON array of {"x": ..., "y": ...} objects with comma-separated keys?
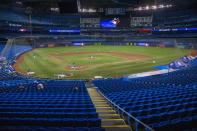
[{"x": 88, "y": 61}]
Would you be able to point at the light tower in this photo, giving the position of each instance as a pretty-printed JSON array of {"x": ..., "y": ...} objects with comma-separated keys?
[{"x": 29, "y": 11}]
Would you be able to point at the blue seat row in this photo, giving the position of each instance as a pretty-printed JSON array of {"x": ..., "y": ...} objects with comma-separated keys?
[
  {"x": 43, "y": 128},
  {"x": 57, "y": 106},
  {"x": 50, "y": 114},
  {"x": 59, "y": 122}
]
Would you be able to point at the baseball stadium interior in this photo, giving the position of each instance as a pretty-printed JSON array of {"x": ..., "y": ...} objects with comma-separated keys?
[{"x": 98, "y": 65}]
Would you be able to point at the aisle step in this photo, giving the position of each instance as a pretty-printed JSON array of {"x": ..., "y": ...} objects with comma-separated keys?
[
  {"x": 105, "y": 111},
  {"x": 117, "y": 126},
  {"x": 110, "y": 120},
  {"x": 99, "y": 101},
  {"x": 102, "y": 107},
  {"x": 108, "y": 115}
]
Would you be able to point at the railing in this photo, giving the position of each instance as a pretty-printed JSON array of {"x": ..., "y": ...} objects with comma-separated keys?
[{"x": 136, "y": 121}]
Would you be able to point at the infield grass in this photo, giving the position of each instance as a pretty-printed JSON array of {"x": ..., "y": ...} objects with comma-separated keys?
[{"x": 97, "y": 59}]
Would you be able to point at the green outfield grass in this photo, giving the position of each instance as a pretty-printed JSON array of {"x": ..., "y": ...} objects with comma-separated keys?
[{"x": 43, "y": 66}]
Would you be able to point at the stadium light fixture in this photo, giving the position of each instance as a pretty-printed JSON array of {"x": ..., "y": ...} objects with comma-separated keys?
[
  {"x": 19, "y": 2},
  {"x": 88, "y": 10},
  {"x": 140, "y": 8},
  {"x": 161, "y": 6},
  {"x": 154, "y": 7},
  {"x": 147, "y": 7}
]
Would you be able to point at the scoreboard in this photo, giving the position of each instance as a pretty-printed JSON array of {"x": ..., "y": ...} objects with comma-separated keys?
[{"x": 115, "y": 11}]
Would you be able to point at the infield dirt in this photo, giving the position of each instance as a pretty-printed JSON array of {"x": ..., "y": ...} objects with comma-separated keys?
[{"x": 56, "y": 57}]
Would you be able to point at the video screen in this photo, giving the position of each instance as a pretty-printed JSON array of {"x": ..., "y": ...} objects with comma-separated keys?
[
  {"x": 110, "y": 23},
  {"x": 114, "y": 22}
]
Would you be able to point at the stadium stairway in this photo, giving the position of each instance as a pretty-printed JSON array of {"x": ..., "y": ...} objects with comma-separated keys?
[{"x": 110, "y": 120}]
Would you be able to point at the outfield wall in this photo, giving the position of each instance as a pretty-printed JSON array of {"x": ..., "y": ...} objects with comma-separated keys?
[{"x": 183, "y": 43}]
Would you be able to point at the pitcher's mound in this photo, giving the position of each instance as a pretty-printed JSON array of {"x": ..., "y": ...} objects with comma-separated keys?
[{"x": 92, "y": 58}]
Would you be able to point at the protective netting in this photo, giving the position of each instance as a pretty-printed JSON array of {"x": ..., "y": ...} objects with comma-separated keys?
[
  {"x": 11, "y": 49},
  {"x": 15, "y": 47}
]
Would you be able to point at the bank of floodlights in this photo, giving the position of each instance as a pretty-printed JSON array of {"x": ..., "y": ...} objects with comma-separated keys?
[{"x": 153, "y": 7}]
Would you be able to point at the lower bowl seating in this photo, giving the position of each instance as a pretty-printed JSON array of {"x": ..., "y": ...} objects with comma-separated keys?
[
  {"x": 162, "y": 102},
  {"x": 58, "y": 106}
]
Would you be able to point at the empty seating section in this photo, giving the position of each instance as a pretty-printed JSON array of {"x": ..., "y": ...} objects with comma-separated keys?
[
  {"x": 16, "y": 50},
  {"x": 59, "y": 106},
  {"x": 8, "y": 53},
  {"x": 194, "y": 63},
  {"x": 68, "y": 21},
  {"x": 8, "y": 84},
  {"x": 180, "y": 77},
  {"x": 174, "y": 17},
  {"x": 163, "y": 102},
  {"x": 2, "y": 45},
  {"x": 6, "y": 76}
]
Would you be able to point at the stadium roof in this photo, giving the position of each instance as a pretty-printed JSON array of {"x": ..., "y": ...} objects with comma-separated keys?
[
  {"x": 44, "y": 4},
  {"x": 112, "y": 2}
]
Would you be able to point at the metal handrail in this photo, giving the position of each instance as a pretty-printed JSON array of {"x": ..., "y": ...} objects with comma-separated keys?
[{"x": 146, "y": 126}]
